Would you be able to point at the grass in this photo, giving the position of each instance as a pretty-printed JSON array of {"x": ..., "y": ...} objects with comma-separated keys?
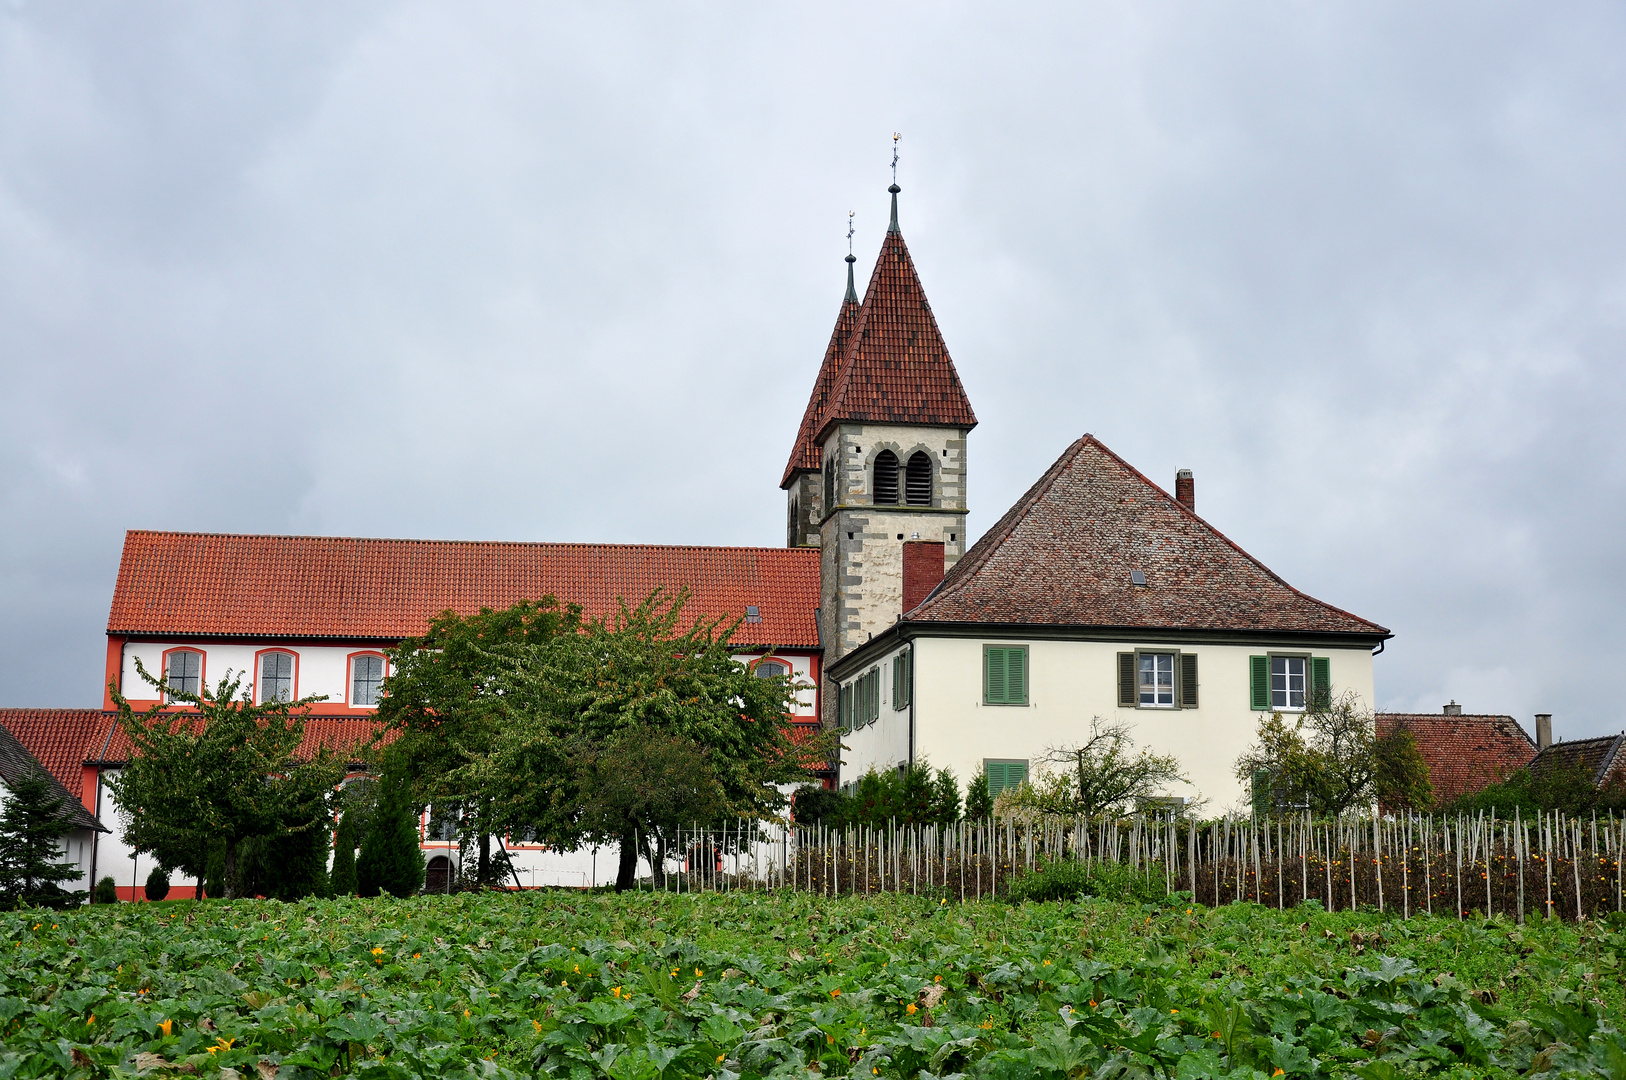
[{"x": 647, "y": 986}]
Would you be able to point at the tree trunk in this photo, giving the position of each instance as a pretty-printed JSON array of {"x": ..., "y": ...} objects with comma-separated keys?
[
  {"x": 230, "y": 873},
  {"x": 484, "y": 875},
  {"x": 626, "y": 875}
]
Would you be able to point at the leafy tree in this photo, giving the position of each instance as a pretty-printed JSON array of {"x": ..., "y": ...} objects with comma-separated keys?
[
  {"x": 1106, "y": 773},
  {"x": 343, "y": 875},
  {"x": 437, "y": 702},
  {"x": 106, "y": 892},
  {"x": 814, "y": 804},
  {"x": 911, "y": 795},
  {"x": 157, "y": 886},
  {"x": 391, "y": 857},
  {"x": 211, "y": 779},
  {"x": 1401, "y": 771},
  {"x": 32, "y": 828},
  {"x": 646, "y": 673},
  {"x": 657, "y": 782},
  {"x": 1568, "y": 790},
  {"x": 1324, "y": 760}
]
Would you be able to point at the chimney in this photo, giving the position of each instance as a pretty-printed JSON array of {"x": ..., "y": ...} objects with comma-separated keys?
[
  {"x": 922, "y": 570},
  {"x": 1453, "y": 709},
  {"x": 1544, "y": 730},
  {"x": 1185, "y": 490}
]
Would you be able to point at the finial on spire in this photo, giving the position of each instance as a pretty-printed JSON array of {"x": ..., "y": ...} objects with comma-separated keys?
[
  {"x": 894, "y": 189},
  {"x": 852, "y": 293}
]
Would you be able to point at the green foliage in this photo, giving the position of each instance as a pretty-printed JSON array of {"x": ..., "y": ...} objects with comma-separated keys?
[
  {"x": 208, "y": 780},
  {"x": 814, "y": 805},
  {"x": 660, "y": 986},
  {"x": 286, "y": 866},
  {"x": 1323, "y": 759},
  {"x": 157, "y": 886},
  {"x": 106, "y": 892},
  {"x": 1401, "y": 772},
  {"x": 979, "y": 803},
  {"x": 913, "y": 795},
  {"x": 1107, "y": 775},
  {"x": 343, "y": 875},
  {"x": 391, "y": 858},
  {"x": 1568, "y": 790},
  {"x": 32, "y": 827},
  {"x": 1069, "y": 879}
]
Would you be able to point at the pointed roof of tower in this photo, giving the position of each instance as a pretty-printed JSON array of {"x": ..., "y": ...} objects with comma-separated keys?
[
  {"x": 897, "y": 369},
  {"x": 807, "y": 455},
  {"x": 1067, "y": 553}
]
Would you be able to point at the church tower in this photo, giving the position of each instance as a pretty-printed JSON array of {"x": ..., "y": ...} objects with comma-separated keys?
[{"x": 880, "y": 459}]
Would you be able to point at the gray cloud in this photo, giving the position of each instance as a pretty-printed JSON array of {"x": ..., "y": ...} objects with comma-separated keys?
[{"x": 566, "y": 273}]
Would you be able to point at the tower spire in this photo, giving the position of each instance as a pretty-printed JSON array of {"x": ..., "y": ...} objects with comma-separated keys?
[
  {"x": 894, "y": 189},
  {"x": 852, "y": 293}
]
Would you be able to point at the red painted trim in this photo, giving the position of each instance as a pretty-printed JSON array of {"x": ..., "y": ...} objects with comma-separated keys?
[
  {"x": 275, "y": 649},
  {"x": 203, "y": 667},
  {"x": 113, "y": 677},
  {"x": 350, "y": 678},
  {"x": 90, "y": 778}
]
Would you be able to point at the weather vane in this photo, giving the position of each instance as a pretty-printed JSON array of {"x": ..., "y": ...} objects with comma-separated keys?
[
  {"x": 849, "y": 232},
  {"x": 896, "y": 135}
]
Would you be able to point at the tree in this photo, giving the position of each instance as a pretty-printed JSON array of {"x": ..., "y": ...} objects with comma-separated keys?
[
  {"x": 1324, "y": 760},
  {"x": 209, "y": 780},
  {"x": 816, "y": 805},
  {"x": 640, "y": 673},
  {"x": 157, "y": 886},
  {"x": 437, "y": 702},
  {"x": 655, "y": 782},
  {"x": 910, "y": 795},
  {"x": 1569, "y": 790},
  {"x": 343, "y": 875},
  {"x": 106, "y": 892},
  {"x": 391, "y": 858},
  {"x": 32, "y": 828},
  {"x": 1400, "y": 771},
  {"x": 979, "y": 802},
  {"x": 1106, "y": 773}
]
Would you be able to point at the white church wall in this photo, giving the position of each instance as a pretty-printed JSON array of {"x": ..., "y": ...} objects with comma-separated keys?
[{"x": 1070, "y": 682}]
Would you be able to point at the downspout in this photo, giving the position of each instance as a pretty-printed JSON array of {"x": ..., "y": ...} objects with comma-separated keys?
[
  {"x": 911, "y": 704},
  {"x": 95, "y": 840},
  {"x": 1381, "y": 645}
]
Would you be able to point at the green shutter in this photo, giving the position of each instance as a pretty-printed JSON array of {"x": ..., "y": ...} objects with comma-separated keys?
[
  {"x": 900, "y": 680},
  {"x": 874, "y": 695},
  {"x": 1320, "y": 682},
  {"x": 1259, "y": 682},
  {"x": 1005, "y": 676},
  {"x": 995, "y": 681},
  {"x": 1188, "y": 680},
  {"x": 1126, "y": 680},
  {"x": 846, "y": 707},
  {"x": 996, "y": 776},
  {"x": 1263, "y": 801},
  {"x": 1016, "y": 675}
]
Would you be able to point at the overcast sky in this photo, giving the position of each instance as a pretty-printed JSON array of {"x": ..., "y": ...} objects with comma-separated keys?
[{"x": 548, "y": 272}]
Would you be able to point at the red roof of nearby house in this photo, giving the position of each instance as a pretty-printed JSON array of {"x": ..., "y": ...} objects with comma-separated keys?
[
  {"x": 1601, "y": 758},
  {"x": 17, "y": 762},
  {"x": 211, "y": 584},
  {"x": 1465, "y": 753},
  {"x": 1064, "y": 554},
  {"x": 58, "y": 739}
]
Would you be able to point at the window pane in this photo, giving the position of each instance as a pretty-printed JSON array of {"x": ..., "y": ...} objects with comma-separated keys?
[
  {"x": 367, "y": 677},
  {"x": 183, "y": 672},
  {"x": 276, "y": 677},
  {"x": 1157, "y": 679}
]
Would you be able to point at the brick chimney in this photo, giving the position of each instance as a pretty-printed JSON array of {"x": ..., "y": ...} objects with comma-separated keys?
[
  {"x": 1185, "y": 490},
  {"x": 922, "y": 570},
  {"x": 1453, "y": 709},
  {"x": 1544, "y": 730}
]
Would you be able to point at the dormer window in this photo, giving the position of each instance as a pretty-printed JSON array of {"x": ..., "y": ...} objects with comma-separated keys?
[
  {"x": 276, "y": 680},
  {"x": 886, "y": 479},
  {"x": 918, "y": 483}
]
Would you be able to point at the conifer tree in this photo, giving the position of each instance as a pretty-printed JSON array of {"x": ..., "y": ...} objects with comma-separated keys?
[
  {"x": 32, "y": 828},
  {"x": 343, "y": 874},
  {"x": 391, "y": 858}
]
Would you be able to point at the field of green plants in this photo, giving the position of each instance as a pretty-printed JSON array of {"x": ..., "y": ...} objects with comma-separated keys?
[{"x": 647, "y": 986}]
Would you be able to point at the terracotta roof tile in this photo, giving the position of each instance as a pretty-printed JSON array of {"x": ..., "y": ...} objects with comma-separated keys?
[
  {"x": 808, "y": 453},
  {"x": 17, "y": 761},
  {"x": 212, "y": 584},
  {"x": 1465, "y": 753},
  {"x": 897, "y": 369},
  {"x": 58, "y": 738},
  {"x": 1601, "y": 758},
  {"x": 343, "y": 735},
  {"x": 1063, "y": 555}
]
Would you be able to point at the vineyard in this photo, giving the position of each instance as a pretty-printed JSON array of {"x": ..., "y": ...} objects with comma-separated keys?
[{"x": 759, "y": 981}]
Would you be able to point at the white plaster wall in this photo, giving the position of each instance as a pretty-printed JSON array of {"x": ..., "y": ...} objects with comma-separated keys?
[
  {"x": 1070, "y": 682},
  {"x": 322, "y": 669},
  {"x": 801, "y": 673},
  {"x": 884, "y": 744},
  {"x": 114, "y": 858}
]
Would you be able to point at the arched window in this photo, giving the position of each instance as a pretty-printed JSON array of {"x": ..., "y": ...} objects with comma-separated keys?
[
  {"x": 276, "y": 681},
  {"x": 770, "y": 669},
  {"x": 183, "y": 671},
  {"x": 886, "y": 479},
  {"x": 918, "y": 483},
  {"x": 366, "y": 678}
]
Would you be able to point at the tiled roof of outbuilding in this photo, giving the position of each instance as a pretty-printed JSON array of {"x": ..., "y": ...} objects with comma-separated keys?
[
  {"x": 1465, "y": 753},
  {"x": 57, "y": 738},
  {"x": 1063, "y": 555},
  {"x": 1601, "y": 758},
  {"x": 16, "y": 762},
  {"x": 212, "y": 584}
]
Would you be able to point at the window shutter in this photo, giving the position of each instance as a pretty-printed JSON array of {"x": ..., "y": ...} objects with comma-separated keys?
[
  {"x": 1259, "y": 682},
  {"x": 1188, "y": 680},
  {"x": 995, "y": 681},
  {"x": 1126, "y": 680},
  {"x": 1262, "y": 799},
  {"x": 1320, "y": 681},
  {"x": 874, "y": 695},
  {"x": 847, "y": 707},
  {"x": 1016, "y": 773},
  {"x": 1016, "y": 676},
  {"x": 996, "y": 776}
]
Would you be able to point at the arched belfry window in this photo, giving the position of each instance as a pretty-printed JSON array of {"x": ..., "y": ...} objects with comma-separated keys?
[
  {"x": 886, "y": 479},
  {"x": 918, "y": 483}
]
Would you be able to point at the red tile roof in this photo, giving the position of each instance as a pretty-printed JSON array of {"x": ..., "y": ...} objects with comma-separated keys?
[
  {"x": 343, "y": 735},
  {"x": 807, "y": 455},
  {"x": 1464, "y": 753},
  {"x": 897, "y": 369},
  {"x": 1063, "y": 555},
  {"x": 58, "y": 739},
  {"x": 1601, "y": 758},
  {"x": 16, "y": 762},
  {"x": 211, "y": 584}
]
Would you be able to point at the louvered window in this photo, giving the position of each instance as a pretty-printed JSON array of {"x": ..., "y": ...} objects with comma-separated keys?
[
  {"x": 1004, "y": 675},
  {"x": 366, "y": 678},
  {"x": 183, "y": 671},
  {"x": 276, "y": 677},
  {"x": 886, "y": 479},
  {"x": 918, "y": 482},
  {"x": 830, "y": 500},
  {"x": 1004, "y": 774}
]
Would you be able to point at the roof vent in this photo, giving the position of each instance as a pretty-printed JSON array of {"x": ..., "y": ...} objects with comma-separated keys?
[
  {"x": 753, "y": 614},
  {"x": 1453, "y": 709},
  {"x": 1136, "y": 577}
]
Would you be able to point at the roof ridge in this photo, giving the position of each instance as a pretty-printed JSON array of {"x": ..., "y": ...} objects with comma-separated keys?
[{"x": 463, "y": 543}]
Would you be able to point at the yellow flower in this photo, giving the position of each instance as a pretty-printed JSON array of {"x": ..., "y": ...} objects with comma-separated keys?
[
  {"x": 698, "y": 973},
  {"x": 537, "y": 1024},
  {"x": 937, "y": 978},
  {"x": 416, "y": 955},
  {"x": 465, "y": 1012},
  {"x": 164, "y": 1026},
  {"x": 564, "y": 982},
  {"x": 910, "y": 1008},
  {"x": 720, "y": 1058},
  {"x": 835, "y": 993},
  {"x": 378, "y": 951},
  {"x": 1278, "y": 1072},
  {"x": 92, "y": 1019},
  {"x": 577, "y": 969},
  {"x": 1047, "y": 963}
]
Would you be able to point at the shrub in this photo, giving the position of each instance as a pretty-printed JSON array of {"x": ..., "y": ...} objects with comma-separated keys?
[
  {"x": 391, "y": 860},
  {"x": 107, "y": 892},
  {"x": 343, "y": 875},
  {"x": 157, "y": 884},
  {"x": 1068, "y": 879}
]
